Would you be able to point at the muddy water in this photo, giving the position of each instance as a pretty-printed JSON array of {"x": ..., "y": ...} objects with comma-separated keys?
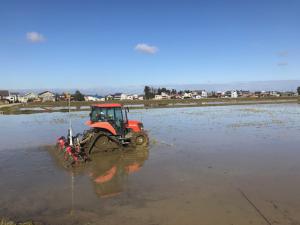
[{"x": 215, "y": 165}]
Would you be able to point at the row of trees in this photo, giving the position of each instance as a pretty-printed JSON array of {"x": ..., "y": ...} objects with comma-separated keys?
[
  {"x": 77, "y": 96},
  {"x": 298, "y": 90}
]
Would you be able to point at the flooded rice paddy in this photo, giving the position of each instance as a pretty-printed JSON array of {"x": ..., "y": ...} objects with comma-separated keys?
[{"x": 211, "y": 166}]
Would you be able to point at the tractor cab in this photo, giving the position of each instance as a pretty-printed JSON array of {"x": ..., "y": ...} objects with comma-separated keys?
[
  {"x": 103, "y": 115},
  {"x": 115, "y": 115},
  {"x": 113, "y": 118}
]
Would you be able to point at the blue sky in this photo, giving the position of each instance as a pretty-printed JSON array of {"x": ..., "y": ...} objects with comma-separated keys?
[{"x": 87, "y": 44}]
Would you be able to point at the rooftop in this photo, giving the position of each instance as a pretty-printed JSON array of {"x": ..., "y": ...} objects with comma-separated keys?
[{"x": 109, "y": 105}]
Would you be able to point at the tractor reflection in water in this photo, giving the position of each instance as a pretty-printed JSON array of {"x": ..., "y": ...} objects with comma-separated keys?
[{"x": 108, "y": 171}]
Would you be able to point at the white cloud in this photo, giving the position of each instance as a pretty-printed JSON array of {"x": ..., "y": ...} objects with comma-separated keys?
[
  {"x": 282, "y": 63},
  {"x": 35, "y": 37},
  {"x": 283, "y": 53},
  {"x": 145, "y": 48}
]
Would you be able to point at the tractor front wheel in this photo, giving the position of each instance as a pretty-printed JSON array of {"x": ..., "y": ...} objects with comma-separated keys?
[{"x": 139, "y": 139}]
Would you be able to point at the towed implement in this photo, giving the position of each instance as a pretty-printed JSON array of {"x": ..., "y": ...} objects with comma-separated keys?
[{"x": 109, "y": 129}]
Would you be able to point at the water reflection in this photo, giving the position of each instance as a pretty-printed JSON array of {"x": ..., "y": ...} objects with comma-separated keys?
[{"x": 109, "y": 172}]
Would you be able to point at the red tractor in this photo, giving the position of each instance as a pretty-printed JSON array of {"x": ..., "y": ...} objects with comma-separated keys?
[{"x": 109, "y": 129}]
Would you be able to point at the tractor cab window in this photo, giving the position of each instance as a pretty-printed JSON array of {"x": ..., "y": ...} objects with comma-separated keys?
[
  {"x": 110, "y": 114},
  {"x": 98, "y": 114},
  {"x": 107, "y": 114},
  {"x": 118, "y": 114},
  {"x": 115, "y": 117}
]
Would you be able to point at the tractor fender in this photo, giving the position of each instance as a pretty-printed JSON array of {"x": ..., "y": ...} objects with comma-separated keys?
[{"x": 102, "y": 125}]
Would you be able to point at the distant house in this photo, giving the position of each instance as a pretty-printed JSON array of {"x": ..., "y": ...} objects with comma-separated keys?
[
  {"x": 130, "y": 97},
  {"x": 117, "y": 96},
  {"x": 140, "y": 97},
  {"x": 4, "y": 94},
  {"x": 226, "y": 94},
  {"x": 288, "y": 93},
  {"x": 275, "y": 94},
  {"x": 9, "y": 97},
  {"x": 157, "y": 97},
  {"x": 219, "y": 94},
  {"x": 265, "y": 94},
  {"x": 109, "y": 97},
  {"x": 187, "y": 95},
  {"x": 234, "y": 94},
  {"x": 91, "y": 98},
  {"x": 245, "y": 94},
  {"x": 14, "y": 96},
  {"x": 30, "y": 97},
  {"x": 123, "y": 97},
  {"x": 163, "y": 95},
  {"x": 194, "y": 93},
  {"x": 47, "y": 96},
  {"x": 197, "y": 96},
  {"x": 204, "y": 94}
]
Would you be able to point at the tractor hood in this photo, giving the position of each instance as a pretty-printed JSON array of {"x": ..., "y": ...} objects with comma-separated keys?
[{"x": 135, "y": 125}]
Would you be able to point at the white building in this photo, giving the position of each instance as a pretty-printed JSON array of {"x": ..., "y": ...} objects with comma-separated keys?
[
  {"x": 109, "y": 97},
  {"x": 157, "y": 97},
  {"x": 163, "y": 95},
  {"x": 123, "y": 96},
  {"x": 130, "y": 97},
  {"x": 22, "y": 99},
  {"x": 47, "y": 96},
  {"x": 234, "y": 94},
  {"x": 197, "y": 96},
  {"x": 187, "y": 95},
  {"x": 30, "y": 97},
  {"x": 275, "y": 94},
  {"x": 204, "y": 94},
  {"x": 92, "y": 99}
]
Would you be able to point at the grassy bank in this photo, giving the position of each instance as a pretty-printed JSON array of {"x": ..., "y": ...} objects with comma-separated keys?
[{"x": 39, "y": 107}]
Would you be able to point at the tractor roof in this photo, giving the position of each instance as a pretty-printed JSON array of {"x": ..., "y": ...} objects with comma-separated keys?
[{"x": 108, "y": 105}]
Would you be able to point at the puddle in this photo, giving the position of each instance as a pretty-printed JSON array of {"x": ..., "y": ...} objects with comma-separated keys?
[{"x": 199, "y": 162}]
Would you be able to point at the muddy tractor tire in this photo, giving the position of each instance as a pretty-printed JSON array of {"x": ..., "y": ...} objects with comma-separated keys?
[
  {"x": 101, "y": 142},
  {"x": 139, "y": 139}
]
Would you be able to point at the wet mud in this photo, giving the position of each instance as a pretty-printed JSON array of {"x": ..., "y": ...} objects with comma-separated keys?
[{"x": 213, "y": 165}]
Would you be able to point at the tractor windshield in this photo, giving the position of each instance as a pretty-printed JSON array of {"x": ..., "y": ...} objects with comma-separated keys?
[
  {"x": 98, "y": 114},
  {"x": 113, "y": 114}
]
